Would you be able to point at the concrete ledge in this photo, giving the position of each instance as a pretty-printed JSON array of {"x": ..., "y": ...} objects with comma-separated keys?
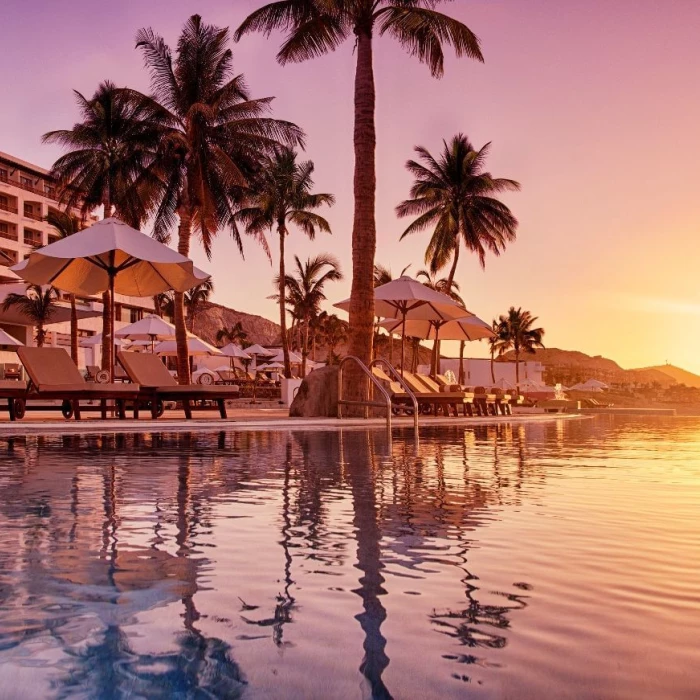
[{"x": 630, "y": 411}]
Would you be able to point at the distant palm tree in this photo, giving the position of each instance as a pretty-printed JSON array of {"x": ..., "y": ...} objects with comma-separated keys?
[
  {"x": 335, "y": 331},
  {"x": 497, "y": 344},
  {"x": 37, "y": 304},
  {"x": 519, "y": 335},
  {"x": 236, "y": 334},
  {"x": 281, "y": 195},
  {"x": 163, "y": 304},
  {"x": 456, "y": 197},
  {"x": 211, "y": 138},
  {"x": 66, "y": 225},
  {"x": 106, "y": 151},
  {"x": 305, "y": 292},
  {"x": 316, "y": 27},
  {"x": 195, "y": 297}
]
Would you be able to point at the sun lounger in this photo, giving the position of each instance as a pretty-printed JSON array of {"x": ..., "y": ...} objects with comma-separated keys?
[
  {"x": 158, "y": 385},
  {"x": 227, "y": 376},
  {"x": 484, "y": 401},
  {"x": 54, "y": 376},
  {"x": 431, "y": 394},
  {"x": 502, "y": 401},
  {"x": 15, "y": 393}
]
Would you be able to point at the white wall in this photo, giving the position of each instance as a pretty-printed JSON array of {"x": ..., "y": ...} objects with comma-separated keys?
[{"x": 477, "y": 371}]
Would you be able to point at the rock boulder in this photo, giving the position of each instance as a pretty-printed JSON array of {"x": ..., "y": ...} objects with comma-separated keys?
[{"x": 318, "y": 395}]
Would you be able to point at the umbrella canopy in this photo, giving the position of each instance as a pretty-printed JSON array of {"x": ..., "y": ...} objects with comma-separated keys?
[
  {"x": 232, "y": 350},
  {"x": 409, "y": 299},
  {"x": 150, "y": 327},
  {"x": 7, "y": 339},
  {"x": 293, "y": 357},
  {"x": 85, "y": 262},
  {"x": 467, "y": 328},
  {"x": 6, "y": 275},
  {"x": 259, "y": 350},
  {"x": 271, "y": 366},
  {"x": 97, "y": 340},
  {"x": 195, "y": 346}
]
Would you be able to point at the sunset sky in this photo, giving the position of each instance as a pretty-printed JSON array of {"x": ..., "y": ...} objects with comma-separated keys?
[{"x": 593, "y": 106}]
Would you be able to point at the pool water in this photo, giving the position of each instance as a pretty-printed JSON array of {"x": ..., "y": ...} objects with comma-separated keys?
[{"x": 558, "y": 559}]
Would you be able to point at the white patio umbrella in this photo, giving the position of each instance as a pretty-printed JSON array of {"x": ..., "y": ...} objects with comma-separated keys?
[
  {"x": 468, "y": 328},
  {"x": 234, "y": 351},
  {"x": 150, "y": 328},
  {"x": 195, "y": 347},
  {"x": 97, "y": 340},
  {"x": 260, "y": 350},
  {"x": 7, "y": 339},
  {"x": 294, "y": 358},
  {"x": 109, "y": 255},
  {"x": 408, "y": 299}
]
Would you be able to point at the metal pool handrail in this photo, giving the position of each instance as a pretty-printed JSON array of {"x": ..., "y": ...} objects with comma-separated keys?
[
  {"x": 377, "y": 404},
  {"x": 397, "y": 377}
]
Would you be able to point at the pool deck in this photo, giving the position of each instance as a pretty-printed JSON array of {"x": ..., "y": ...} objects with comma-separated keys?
[{"x": 256, "y": 419}]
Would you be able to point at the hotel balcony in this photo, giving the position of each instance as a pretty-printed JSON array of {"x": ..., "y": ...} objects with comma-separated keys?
[
  {"x": 8, "y": 231},
  {"x": 30, "y": 184},
  {"x": 32, "y": 238}
]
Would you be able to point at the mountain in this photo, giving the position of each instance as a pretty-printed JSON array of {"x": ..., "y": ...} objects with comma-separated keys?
[
  {"x": 571, "y": 366},
  {"x": 681, "y": 376}
]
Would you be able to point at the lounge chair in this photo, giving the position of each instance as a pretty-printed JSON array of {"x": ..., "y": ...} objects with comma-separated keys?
[
  {"x": 54, "y": 376},
  {"x": 13, "y": 371},
  {"x": 227, "y": 376},
  {"x": 502, "y": 401},
  {"x": 158, "y": 385},
  {"x": 430, "y": 393},
  {"x": 91, "y": 373},
  {"x": 484, "y": 401},
  {"x": 15, "y": 393}
]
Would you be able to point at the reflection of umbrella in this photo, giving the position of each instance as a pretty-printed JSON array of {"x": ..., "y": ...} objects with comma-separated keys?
[
  {"x": 7, "y": 339},
  {"x": 109, "y": 255},
  {"x": 195, "y": 346},
  {"x": 406, "y": 298}
]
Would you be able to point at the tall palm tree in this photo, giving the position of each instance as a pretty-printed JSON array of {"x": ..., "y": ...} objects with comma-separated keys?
[
  {"x": 195, "y": 297},
  {"x": 520, "y": 335},
  {"x": 305, "y": 292},
  {"x": 38, "y": 304},
  {"x": 281, "y": 195},
  {"x": 316, "y": 27},
  {"x": 456, "y": 197},
  {"x": 65, "y": 225},
  {"x": 106, "y": 151},
  {"x": 236, "y": 334},
  {"x": 211, "y": 137}
]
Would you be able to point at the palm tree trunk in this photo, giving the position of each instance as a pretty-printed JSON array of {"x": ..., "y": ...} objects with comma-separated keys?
[
  {"x": 493, "y": 376},
  {"x": 281, "y": 229},
  {"x": 391, "y": 348},
  {"x": 453, "y": 269},
  {"x": 40, "y": 335},
  {"x": 517, "y": 368},
  {"x": 73, "y": 330},
  {"x": 183, "y": 247},
  {"x": 364, "y": 231},
  {"x": 107, "y": 344},
  {"x": 460, "y": 378},
  {"x": 305, "y": 348}
]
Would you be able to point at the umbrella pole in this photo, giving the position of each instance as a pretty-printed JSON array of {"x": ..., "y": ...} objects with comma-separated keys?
[
  {"x": 111, "y": 323},
  {"x": 403, "y": 341}
]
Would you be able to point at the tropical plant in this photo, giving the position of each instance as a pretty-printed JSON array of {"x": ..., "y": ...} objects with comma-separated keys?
[
  {"x": 335, "y": 331},
  {"x": 38, "y": 304},
  {"x": 65, "y": 225},
  {"x": 520, "y": 335},
  {"x": 456, "y": 197},
  {"x": 316, "y": 27},
  {"x": 106, "y": 151},
  {"x": 163, "y": 304},
  {"x": 211, "y": 138},
  {"x": 235, "y": 334},
  {"x": 195, "y": 298},
  {"x": 305, "y": 293},
  {"x": 497, "y": 343},
  {"x": 281, "y": 195}
]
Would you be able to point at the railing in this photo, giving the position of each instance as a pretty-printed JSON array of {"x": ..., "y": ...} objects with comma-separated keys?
[
  {"x": 367, "y": 404},
  {"x": 49, "y": 194},
  {"x": 32, "y": 240},
  {"x": 9, "y": 208},
  {"x": 32, "y": 215},
  {"x": 398, "y": 378}
]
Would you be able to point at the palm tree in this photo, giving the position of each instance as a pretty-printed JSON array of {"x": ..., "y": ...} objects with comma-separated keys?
[
  {"x": 195, "y": 297},
  {"x": 38, "y": 304},
  {"x": 211, "y": 138},
  {"x": 305, "y": 292},
  {"x": 163, "y": 304},
  {"x": 316, "y": 27},
  {"x": 519, "y": 335},
  {"x": 106, "y": 151},
  {"x": 496, "y": 344},
  {"x": 456, "y": 197},
  {"x": 66, "y": 225},
  {"x": 281, "y": 195},
  {"x": 335, "y": 331},
  {"x": 236, "y": 334}
]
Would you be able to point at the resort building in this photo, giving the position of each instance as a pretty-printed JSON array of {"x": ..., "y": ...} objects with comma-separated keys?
[
  {"x": 477, "y": 371},
  {"x": 27, "y": 195}
]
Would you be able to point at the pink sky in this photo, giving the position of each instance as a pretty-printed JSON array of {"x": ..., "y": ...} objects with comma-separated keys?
[{"x": 593, "y": 106}]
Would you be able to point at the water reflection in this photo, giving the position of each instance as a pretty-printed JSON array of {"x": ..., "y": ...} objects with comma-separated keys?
[{"x": 171, "y": 565}]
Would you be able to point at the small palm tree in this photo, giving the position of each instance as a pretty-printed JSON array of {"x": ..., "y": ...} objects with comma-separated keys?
[
  {"x": 38, "y": 304},
  {"x": 335, "y": 331},
  {"x": 211, "y": 136},
  {"x": 281, "y": 196},
  {"x": 455, "y": 196},
  {"x": 317, "y": 27},
  {"x": 163, "y": 304},
  {"x": 305, "y": 293},
  {"x": 236, "y": 334},
  {"x": 519, "y": 335},
  {"x": 66, "y": 225},
  {"x": 195, "y": 298},
  {"x": 497, "y": 344}
]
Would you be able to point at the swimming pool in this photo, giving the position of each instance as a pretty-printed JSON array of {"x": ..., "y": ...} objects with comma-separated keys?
[{"x": 549, "y": 560}]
